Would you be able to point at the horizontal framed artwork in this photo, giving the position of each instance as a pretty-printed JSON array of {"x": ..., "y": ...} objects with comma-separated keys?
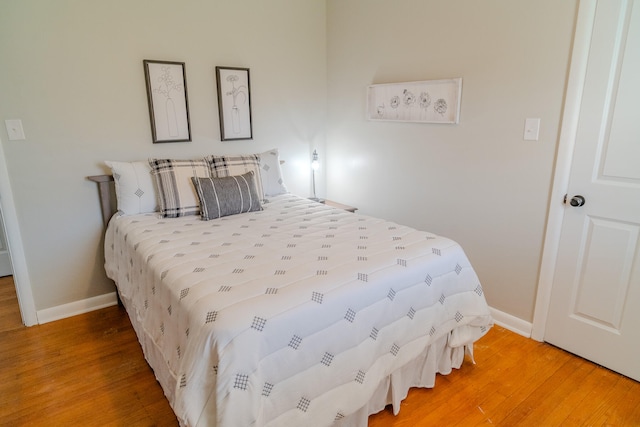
[
  {"x": 168, "y": 102},
  {"x": 234, "y": 103},
  {"x": 429, "y": 101}
]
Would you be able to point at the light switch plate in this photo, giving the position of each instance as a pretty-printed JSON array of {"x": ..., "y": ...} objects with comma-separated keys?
[
  {"x": 14, "y": 129},
  {"x": 531, "y": 129}
]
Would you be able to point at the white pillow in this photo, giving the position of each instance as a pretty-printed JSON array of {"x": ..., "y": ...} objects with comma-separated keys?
[
  {"x": 271, "y": 173},
  {"x": 135, "y": 191},
  {"x": 176, "y": 193}
]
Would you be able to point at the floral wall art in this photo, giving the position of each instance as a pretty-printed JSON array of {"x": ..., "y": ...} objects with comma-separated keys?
[
  {"x": 430, "y": 101},
  {"x": 168, "y": 105},
  {"x": 234, "y": 103}
]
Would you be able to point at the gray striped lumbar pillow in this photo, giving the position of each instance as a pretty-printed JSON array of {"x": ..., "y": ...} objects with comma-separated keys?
[{"x": 227, "y": 196}]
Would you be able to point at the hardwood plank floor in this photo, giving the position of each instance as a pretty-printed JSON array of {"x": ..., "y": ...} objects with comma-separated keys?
[
  {"x": 86, "y": 370},
  {"x": 89, "y": 370},
  {"x": 9, "y": 309}
]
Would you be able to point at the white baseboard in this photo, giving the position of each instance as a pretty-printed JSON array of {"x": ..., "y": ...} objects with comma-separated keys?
[
  {"x": 512, "y": 323},
  {"x": 507, "y": 321},
  {"x": 76, "y": 307}
]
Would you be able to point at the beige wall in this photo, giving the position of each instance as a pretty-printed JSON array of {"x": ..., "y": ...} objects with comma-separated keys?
[
  {"x": 72, "y": 71},
  {"x": 477, "y": 182}
]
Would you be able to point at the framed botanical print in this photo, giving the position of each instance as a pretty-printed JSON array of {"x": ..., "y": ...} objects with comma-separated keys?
[
  {"x": 430, "y": 101},
  {"x": 168, "y": 102},
  {"x": 234, "y": 103}
]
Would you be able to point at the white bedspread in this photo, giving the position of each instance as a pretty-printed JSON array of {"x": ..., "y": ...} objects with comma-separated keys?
[{"x": 292, "y": 316}]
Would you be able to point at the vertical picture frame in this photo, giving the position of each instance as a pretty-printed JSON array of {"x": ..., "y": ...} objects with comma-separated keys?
[
  {"x": 234, "y": 103},
  {"x": 166, "y": 83}
]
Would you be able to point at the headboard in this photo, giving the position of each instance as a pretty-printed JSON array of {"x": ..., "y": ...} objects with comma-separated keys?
[{"x": 105, "y": 192}]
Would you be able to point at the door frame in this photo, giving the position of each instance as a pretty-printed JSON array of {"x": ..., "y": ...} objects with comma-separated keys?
[
  {"x": 564, "y": 157},
  {"x": 16, "y": 250}
]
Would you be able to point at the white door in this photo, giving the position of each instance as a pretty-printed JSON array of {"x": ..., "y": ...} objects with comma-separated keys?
[
  {"x": 5, "y": 260},
  {"x": 594, "y": 310}
]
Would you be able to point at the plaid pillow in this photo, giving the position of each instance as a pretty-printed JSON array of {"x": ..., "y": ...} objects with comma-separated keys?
[
  {"x": 176, "y": 194},
  {"x": 226, "y": 196},
  {"x": 222, "y": 166}
]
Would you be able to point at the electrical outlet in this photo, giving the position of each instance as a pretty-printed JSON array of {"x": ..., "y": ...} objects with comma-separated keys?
[
  {"x": 531, "y": 129},
  {"x": 14, "y": 129}
]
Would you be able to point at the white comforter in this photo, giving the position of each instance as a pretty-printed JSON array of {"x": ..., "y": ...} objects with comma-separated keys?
[{"x": 292, "y": 316}]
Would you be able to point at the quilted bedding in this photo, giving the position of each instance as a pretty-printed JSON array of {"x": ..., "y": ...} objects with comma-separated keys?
[{"x": 299, "y": 314}]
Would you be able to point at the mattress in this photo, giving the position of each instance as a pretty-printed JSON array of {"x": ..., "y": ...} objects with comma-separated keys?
[{"x": 298, "y": 314}]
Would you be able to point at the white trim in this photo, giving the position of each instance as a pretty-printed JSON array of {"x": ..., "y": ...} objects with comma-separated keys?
[
  {"x": 512, "y": 323},
  {"x": 16, "y": 250},
  {"x": 77, "y": 307},
  {"x": 507, "y": 321},
  {"x": 573, "y": 99}
]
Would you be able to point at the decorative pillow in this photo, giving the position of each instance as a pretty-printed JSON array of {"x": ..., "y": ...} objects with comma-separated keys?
[
  {"x": 226, "y": 196},
  {"x": 176, "y": 193},
  {"x": 271, "y": 173},
  {"x": 222, "y": 166},
  {"x": 135, "y": 192}
]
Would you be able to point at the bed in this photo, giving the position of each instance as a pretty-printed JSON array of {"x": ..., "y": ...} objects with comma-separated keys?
[{"x": 291, "y": 314}]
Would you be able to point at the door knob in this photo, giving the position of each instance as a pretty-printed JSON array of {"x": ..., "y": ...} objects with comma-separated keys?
[{"x": 577, "y": 201}]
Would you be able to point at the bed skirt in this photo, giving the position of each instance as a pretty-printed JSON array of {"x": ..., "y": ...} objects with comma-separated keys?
[{"x": 437, "y": 358}]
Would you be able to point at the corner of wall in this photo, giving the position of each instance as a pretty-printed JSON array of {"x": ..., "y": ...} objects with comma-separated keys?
[{"x": 512, "y": 323}]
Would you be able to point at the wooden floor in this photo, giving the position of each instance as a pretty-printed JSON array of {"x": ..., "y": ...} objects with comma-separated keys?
[{"x": 89, "y": 370}]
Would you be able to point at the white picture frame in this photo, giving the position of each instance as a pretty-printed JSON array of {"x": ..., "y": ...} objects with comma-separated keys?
[{"x": 428, "y": 101}]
